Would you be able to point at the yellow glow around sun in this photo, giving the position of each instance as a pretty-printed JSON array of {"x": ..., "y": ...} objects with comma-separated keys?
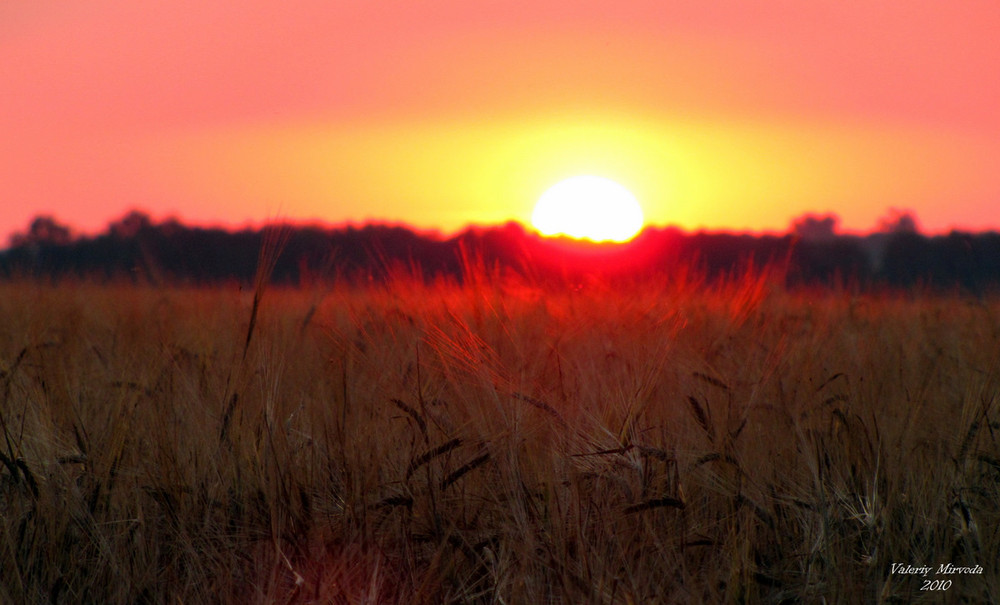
[
  {"x": 588, "y": 207},
  {"x": 474, "y": 172}
]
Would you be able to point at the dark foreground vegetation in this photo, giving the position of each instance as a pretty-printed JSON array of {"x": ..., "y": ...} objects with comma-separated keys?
[
  {"x": 497, "y": 441},
  {"x": 137, "y": 250}
]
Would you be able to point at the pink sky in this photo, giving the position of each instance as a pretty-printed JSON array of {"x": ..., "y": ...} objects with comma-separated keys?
[{"x": 717, "y": 114}]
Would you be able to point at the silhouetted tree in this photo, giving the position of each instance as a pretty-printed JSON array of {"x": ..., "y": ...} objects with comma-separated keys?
[
  {"x": 898, "y": 221},
  {"x": 44, "y": 230},
  {"x": 130, "y": 225},
  {"x": 815, "y": 228}
]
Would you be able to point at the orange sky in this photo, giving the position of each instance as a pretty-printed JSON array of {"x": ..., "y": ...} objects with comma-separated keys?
[{"x": 440, "y": 113}]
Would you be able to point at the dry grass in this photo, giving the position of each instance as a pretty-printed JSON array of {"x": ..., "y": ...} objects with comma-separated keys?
[{"x": 494, "y": 443}]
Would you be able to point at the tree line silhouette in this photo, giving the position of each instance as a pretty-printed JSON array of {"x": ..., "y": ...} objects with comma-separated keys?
[{"x": 135, "y": 248}]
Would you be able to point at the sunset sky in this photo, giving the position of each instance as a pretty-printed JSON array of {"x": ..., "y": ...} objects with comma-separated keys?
[{"x": 737, "y": 115}]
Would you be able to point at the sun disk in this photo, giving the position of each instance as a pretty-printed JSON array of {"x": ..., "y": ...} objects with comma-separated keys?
[{"x": 588, "y": 207}]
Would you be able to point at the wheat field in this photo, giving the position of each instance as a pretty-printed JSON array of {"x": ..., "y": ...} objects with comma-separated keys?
[{"x": 496, "y": 442}]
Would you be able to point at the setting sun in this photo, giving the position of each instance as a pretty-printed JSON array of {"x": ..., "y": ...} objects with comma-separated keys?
[{"x": 588, "y": 207}]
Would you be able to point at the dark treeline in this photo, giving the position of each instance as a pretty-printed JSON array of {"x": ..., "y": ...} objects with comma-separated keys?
[{"x": 137, "y": 249}]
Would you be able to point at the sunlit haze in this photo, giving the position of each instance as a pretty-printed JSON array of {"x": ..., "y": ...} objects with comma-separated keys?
[{"x": 723, "y": 115}]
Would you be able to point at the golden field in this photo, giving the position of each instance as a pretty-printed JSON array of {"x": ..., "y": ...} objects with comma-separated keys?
[{"x": 497, "y": 442}]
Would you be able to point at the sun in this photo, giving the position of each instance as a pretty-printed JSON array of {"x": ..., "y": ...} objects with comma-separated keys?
[{"x": 588, "y": 207}]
